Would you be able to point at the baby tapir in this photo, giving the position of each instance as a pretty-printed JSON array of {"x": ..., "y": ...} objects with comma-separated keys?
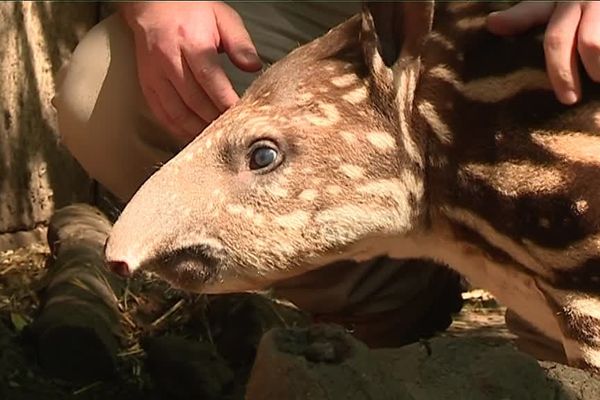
[{"x": 406, "y": 131}]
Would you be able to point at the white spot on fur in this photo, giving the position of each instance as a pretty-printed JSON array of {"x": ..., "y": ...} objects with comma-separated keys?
[
  {"x": 245, "y": 212},
  {"x": 591, "y": 355},
  {"x": 349, "y": 137},
  {"x": 277, "y": 190},
  {"x": 585, "y": 306},
  {"x": 352, "y": 171},
  {"x": 346, "y": 212},
  {"x": 235, "y": 209},
  {"x": 577, "y": 147},
  {"x": 395, "y": 188},
  {"x": 438, "y": 126},
  {"x": 294, "y": 220},
  {"x": 517, "y": 179},
  {"x": 308, "y": 195},
  {"x": 316, "y": 182},
  {"x": 495, "y": 88},
  {"x": 356, "y": 96},
  {"x": 289, "y": 170},
  {"x": 382, "y": 187},
  {"x": 344, "y": 80},
  {"x": 333, "y": 189},
  {"x": 348, "y": 222},
  {"x": 329, "y": 115},
  {"x": 305, "y": 97},
  {"x": 284, "y": 249},
  {"x": 381, "y": 140},
  {"x": 330, "y": 112}
]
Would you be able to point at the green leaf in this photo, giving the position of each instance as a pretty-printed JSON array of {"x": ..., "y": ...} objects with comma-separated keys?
[{"x": 19, "y": 321}]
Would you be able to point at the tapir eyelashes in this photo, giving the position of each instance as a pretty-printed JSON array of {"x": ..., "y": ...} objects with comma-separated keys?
[{"x": 264, "y": 156}]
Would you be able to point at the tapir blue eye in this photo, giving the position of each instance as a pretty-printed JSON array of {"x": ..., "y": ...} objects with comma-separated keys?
[{"x": 262, "y": 157}]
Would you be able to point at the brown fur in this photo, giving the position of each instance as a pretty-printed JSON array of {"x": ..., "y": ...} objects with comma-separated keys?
[{"x": 432, "y": 138}]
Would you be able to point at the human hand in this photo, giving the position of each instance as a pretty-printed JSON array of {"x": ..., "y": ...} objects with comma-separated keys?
[
  {"x": 573, "y": 27},
  {"x": 177, "y": 46}
]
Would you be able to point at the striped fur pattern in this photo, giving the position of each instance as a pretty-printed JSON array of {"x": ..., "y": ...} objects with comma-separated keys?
[{"x": 435, "y": 140}]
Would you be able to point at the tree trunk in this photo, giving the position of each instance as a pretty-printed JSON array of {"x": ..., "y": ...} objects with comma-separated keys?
[{"x": 36, "y": 173}]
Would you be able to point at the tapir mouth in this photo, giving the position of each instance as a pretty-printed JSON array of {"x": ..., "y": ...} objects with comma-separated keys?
[{"x": 195, "y": 263}]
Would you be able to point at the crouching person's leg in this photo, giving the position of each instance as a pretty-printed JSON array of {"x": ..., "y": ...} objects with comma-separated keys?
[
  {"x": 384, "y": 302},
  {"x": 103, "y": 119}
]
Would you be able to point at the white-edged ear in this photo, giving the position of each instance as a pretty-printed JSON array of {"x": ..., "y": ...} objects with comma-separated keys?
[
  {"x": 392, "y": 37},
  {"x": 392, "y": 34}
]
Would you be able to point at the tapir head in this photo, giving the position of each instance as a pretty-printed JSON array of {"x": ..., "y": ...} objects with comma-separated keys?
[{"x": 318, "y": 161}]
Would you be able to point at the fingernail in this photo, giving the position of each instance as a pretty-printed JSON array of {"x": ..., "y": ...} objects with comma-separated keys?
[
  {"x": 570, "y": 97},
  {"x": 251, "y": 57}
]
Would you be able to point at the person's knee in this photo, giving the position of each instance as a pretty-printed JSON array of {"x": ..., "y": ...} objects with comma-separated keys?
[
  {"x": 98, "y": 104},
  {"x": 80, "y": 81}
]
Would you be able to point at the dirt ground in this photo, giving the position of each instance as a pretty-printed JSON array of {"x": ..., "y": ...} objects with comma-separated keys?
[{"x": 222, "y": 332}]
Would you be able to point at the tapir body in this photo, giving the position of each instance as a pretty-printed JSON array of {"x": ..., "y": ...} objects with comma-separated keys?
[{"x": 407, "y": 131}]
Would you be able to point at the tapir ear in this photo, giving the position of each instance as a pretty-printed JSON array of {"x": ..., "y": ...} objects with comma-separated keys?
[{"x": 393, "y": 33}]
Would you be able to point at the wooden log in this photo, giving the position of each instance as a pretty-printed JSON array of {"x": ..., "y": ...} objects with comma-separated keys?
[
  {"x": 325, "y": 363},
  {"x": 76, "y": 332}
]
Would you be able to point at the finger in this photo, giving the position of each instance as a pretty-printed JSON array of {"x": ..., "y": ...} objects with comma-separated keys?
[
  {"x": 561, "y": 57},
  {"x": 160, "y": 114},
  {"x": 195, "y": 94},
  {"x": 520, "y": 17},
  {"x": 236, "y": 41},
  {"x": 191, "y": 92},
  {"x": 177, "y": 112},
  {"x": 204, "y": 62},
  {"x": 589, "y": 39}
]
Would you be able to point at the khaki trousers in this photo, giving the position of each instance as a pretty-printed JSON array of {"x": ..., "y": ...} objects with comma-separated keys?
[{"x": 107, "y": 126}]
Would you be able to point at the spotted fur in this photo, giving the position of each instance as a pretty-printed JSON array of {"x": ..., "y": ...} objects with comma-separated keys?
[{"x": 432, "y": 139}]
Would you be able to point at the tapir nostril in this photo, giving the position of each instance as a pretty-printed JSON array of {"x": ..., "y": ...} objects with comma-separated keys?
[{"x": 120, "y": 268}]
